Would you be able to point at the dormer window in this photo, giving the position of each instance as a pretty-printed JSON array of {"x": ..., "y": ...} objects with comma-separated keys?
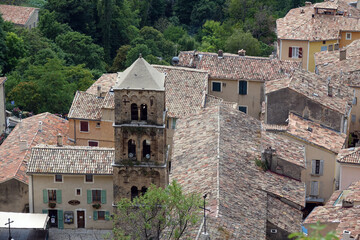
[
  {"x": 143, "y": 112},
  {"x": 134, "y": 112},
  {"x": 131, "y": 149}
]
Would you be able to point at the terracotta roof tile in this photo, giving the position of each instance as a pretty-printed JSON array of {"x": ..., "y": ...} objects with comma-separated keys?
[
  {"x": 349, "y": 155},
  {"x": 13, "y": 160},
  {"x": 235, "y": 67},
  {"x": 212, "y": 151},
  {"x": 213, "y": 100},
  {"x": 315, "y": 133},
  {"x": 106, "y": 82},
  {"x": 86, "y": 106},
  {"x": 16, "y": 14},
  {"x": 315, "y": 87},
  {"x": 71, "y": 160}
]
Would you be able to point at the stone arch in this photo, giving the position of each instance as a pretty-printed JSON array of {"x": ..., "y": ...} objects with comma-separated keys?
[
  {"x": 143, "y": 112},
  {"x": 134, "y": 112},
  {"x": 131, "y": 148},
  {"x": 146, "y": 149}
]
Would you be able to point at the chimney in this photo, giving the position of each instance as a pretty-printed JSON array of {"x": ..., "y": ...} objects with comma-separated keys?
[
  {"x": 59, "y": 140},
  {"x": 99, "y": 90},
  {"x": 346, "y": 203},
  {"x": 346, "y": 235},
  {"x": 204, "y": 236},
  {"x": 307, "y": 4},
  {"x": 330, "y": 90},
  {"x": 40, "y": 126},
  {"x": 342, "y": 54},
  {"x": 23, "y": 145},
  {"x": 220, "y": 53},
  {"x": 242, "y": 52}
]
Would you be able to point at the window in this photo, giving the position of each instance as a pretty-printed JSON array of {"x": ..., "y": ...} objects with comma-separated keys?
[
  {"x": 96, "y": 195},
  {"x": 98, "y": 125},
  {"x": 323, "y": 48},
  {"x": 143, "y": 112},
  {"x": 314, "y": 188},
  {"x": 84, "y": 126},
  {"x": 131, "y": 149},
  {"x": 58, "y": 178},
  {"x": 348, "y": 36},
  {"x": 134, "y": 192},
  {"x": 173, "y": 123},
  {"x": 317, "y": 167},
  {"x": 101, "y": 215},
  {"x": 134, "y": 112},
  {"x": 243, "y": 109},
  {"x": 146, "y": 150},
  {"x": 52, "y": 195},
  {"x": 78, "y": 192},
  {"x": 324, "y": 42},
  {"x": 216, "y": 86},
  {"x": 93, "y": 143},
  {"x": 242, "y": 87},
  {"x": 354, "y": 101},
  {"x": 295, "y": 52},
  {"x": 353, "y": 118},
  {"x": 143, "y": 190},
  {"x": 89, "y": 178}
]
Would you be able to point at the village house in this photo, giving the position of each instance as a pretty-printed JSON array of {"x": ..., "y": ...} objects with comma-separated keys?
[
  {"x": 72, "y": 184},
  {"x": 349, "y": 166},
  {"x": 238, "y": 78},
  {"x": 15, "y": 154},
  {"x": 322, "y": 100},
  {"x": 341, "y": 214},
  {"x": 312, "y": 28},
  {"x": 215, "y": 153},
  {"x": 3, "y": 121},
  {"x": 27, "y": 17}
]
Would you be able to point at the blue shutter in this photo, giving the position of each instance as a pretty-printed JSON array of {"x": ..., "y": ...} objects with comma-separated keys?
[
  {"x": 58, "y": 196},
  {"x": 60, "y": 219},
  {"x": 89, "y": 197},
  {"x": 95, "y": 215},
  {"x": 107, "y": 215},
  {"x": 45, "y": 211},
  {"x": 103, "y": 196},
  {"x": 242, "y": 87},
  {"x": 45, "y": 196}
]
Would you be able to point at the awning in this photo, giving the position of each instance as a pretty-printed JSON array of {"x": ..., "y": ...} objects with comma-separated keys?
[{"x": 24, "y": 220}]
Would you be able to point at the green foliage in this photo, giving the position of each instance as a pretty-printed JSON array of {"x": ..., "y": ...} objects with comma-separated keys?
[
  {"x": 49, "y": 26},
  {"x": 240, "y": 40},
  {"x": 261, "y": 164},
  {"x": 15, "y": 50},
  {"x": 315, "y": 235},
  {"x": 120, "y": 59},
  {"x": 147, "y": 216},
  {"x": 3, "y": 48}
]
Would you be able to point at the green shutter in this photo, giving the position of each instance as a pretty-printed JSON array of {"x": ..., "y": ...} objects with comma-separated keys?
[
  {"x": 242, "y": 87},
  {"x": 45, "y": 211},
  {"x": 58, "y": 196},
  {"x": 107, "y": 215},
  {"x": 89, "y": 197},
  {"x": 103, "y": 196},
  {"x": 45, "y": 196},
  {"x": 60, "y": 219},
  {"x": 95, "y": 216}
]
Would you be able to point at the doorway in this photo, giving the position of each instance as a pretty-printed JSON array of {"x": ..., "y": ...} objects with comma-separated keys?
[
  {"x": 53, "y": 215},
  {"x": 80, "y": 219}
]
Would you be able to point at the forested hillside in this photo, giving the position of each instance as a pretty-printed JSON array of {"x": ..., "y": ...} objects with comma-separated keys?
[{"x": 78, "y": 40}]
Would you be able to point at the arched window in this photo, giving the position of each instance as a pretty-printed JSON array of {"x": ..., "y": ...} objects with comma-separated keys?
[
  {"x": 131, "y": 149},
  {"x": 143, "y": 112},
  {"x": 134, "y": 112},
  {"x": 134, "y": 192},
  {"x": 146, "y": 149},
  {"x": 143, "y": 190}
]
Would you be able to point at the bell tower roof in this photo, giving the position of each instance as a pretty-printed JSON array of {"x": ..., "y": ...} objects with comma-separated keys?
[{"x": 141, "y": 76}]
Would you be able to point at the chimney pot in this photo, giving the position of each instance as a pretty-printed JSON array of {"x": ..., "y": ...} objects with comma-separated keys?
[
  {"x": 242, "y": 52},
  {"x": 330, "y": 90},
  {"x": 346, "y": 235},
  {"x": 342, "y": 54},
  {"x": 59, "y": 140},
  {"x": 307, "y": 4},
  {"x": 40, "y": 126},
  {"x": 99, "y": 90},
  {"x": 220, "y": 53}
]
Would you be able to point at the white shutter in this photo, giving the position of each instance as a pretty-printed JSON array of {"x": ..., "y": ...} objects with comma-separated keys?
[
  {"x": 314, "y": 191},
  {"x": 313, "y": 166},
  {"x": 321, "y": 167}
]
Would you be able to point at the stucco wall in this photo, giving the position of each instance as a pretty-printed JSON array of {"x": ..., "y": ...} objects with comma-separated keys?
[
  {"x": 343, "y": 42},
  {"x": 33, "y": 20},
  {"x": 349, "y": 173},
  {"x": 355, "y": 110},
  {"x": 284, "y": 51},
  {"x": 279, "y": 104},
  {"x": 314, "y": 48},
  {"x": 14, "y": 195},
  {"x": 2, "y": 109},
  {"x": 68, "y": 187},
  {"x": 230, "y": 92}
]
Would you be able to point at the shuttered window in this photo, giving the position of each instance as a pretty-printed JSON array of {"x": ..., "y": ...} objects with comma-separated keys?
[
  {"x": 60, "y": 219},
  {"x": 96, "y": 196},
  {"x": 242, "y": 87},
  {"x": 216, "y": 86},
  {"x": 295, "y": 52},
  {"x": 84, "y": 126},
  {"x": 317, "y": 167},
  {"x": 314, "y": 191}
]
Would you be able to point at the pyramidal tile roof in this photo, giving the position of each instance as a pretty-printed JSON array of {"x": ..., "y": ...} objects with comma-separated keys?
[{"x": 141, "y": 76}]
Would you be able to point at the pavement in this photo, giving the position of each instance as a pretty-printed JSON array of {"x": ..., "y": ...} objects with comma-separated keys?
[{"x": 79, "y": 234}]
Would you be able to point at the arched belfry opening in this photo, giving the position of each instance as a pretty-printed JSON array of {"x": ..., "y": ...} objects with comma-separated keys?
[
  {"x": 146, "y": 150},
  {"x": 143, "y": 112},
  {"x": 131, "y": 149},
  {"x": 143, "y": 190},
  {"x": 134, "y": 112},
  {"x": 134, "y": 192}
]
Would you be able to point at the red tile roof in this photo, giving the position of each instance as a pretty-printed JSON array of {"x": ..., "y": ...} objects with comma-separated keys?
[
  {"x": 106, "y": 82},
  {"x": 16, "y": 14},
  {"x": 349, "y": 155},
  {"x": 13, "y": 160}
]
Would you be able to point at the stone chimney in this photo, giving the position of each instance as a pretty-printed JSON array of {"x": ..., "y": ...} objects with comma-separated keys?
[
  {"x": 40, "y": 126},
  {"x": 99, "y": 90},
  {"x": 267, "y": 157},
  {"x": 220, "y": 53},
  {"x": 330, "y": 94},
  {"x": 346, "y": 235},
  {"x": 307, "y": 4},
  {"x": 242, "y": 52},
  {"x": 23, "y": 145},
  {"x": 342, "y": 54},
  {"x": 59, "y": 140}
]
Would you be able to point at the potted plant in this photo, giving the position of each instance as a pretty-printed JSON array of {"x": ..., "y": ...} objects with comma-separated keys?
[
  {"x": 96, "y": 205},
  {"x": 52, "y": 204}
]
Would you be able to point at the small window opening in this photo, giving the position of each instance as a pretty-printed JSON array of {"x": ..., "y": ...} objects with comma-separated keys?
[
  {"x": 131, "y": 149},
  {"x": 143, "y": 190},
  {"x": 146, "y": 149},
  {"x": 143, "y": 113},
  {"x": 134, "y": 112},
  {"x": 134, "y": 192}
]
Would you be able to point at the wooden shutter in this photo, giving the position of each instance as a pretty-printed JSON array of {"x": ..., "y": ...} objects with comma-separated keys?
[
  {"x": 242, "y": 87},
  {"x": 103, "y": 196},
  {"x": 89, "y": 196},
  {"x": 84, "y": 126},
  {"x": 45, "y": 196},
  {"x": 58, "y": 196},
  {"x": 290, "y": 52},
  {"x": 321, "y": 167},
  {"x": 300, "y": 52},
  {"x": 107, "y": 215},
  {"x": 313, "y": 166},
  {"x": 314, "y": 188},
  {"x": 45, "y": 211},
  {"x": 95, "y": 216},
  {"x": 60, "y": 219}
]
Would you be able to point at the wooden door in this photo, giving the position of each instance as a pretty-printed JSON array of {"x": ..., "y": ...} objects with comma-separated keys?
[{"x": 81, "y": 219}]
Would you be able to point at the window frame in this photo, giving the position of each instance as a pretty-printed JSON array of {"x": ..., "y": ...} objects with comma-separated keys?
[
  {"x": 246, "y": 107},
  {"x": 80, "y": 128},
  {"x": 53, "y": 191},
  {"x": 92, "y": 141},
  {"x": 76, "y": 189},
  {"x": 247, "y": 87},
  {"x": 295, "y": 52},
  {"x": 97, "y": 197},
  {"x": 85, "y": 179},
  {"x": 312, "y": 190},
  {"x": 56, "y": 180},
  {"x": 98, "y": 215},
  {"x": 346, "y": 36},
  {"x": 98, "y": 125},
  {"x": 317, "y": 167},
  {"x": 212, "y": 86}
]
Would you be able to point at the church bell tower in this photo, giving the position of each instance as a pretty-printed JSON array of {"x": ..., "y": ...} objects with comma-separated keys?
[{"x": 140, "y": 116}]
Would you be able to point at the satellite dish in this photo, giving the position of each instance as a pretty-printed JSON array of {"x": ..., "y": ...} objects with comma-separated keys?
[
  {"x": 175, "y": 61},
  {"x": 147, "y": 156},
  {"x": 131, "y": 155}
]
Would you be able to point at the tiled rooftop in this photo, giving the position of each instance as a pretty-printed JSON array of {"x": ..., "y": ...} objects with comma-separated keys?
[
  {"x": 13, "y": 160},
  {"x": 213, "y": 100},
  {"x": 214, "y": 152},
  {"x": 86, "y": 106},
  {"x": 349, "y": 155},
  {"x": 299, "y": 23},
  {"x": 235, "y": 67},
  {"x": 347, "y": 218},
  {"x": 16, "y": 14},
  {"x": 71, "y": 160},
  {"x": 315, "y": 87},
  {"x": 106, "y": 82},
  {"x": 315, "y": 133}
]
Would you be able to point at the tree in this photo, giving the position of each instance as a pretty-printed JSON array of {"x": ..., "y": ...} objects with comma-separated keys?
[
  {"x": 315, "y": 235},
  {"x": 49, "y": 26},
  {"x": 120, "y": 59},
  {"x": 15, "y": 50},
  {"x": 160, "y": 212},
  {"x": 240, "y": 40}
]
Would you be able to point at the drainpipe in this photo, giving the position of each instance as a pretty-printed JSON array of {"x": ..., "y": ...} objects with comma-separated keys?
[{"x": 31, "y": 195}]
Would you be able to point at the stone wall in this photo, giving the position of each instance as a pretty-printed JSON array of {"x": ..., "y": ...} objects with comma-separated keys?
[{"x": 14, "y": 196}]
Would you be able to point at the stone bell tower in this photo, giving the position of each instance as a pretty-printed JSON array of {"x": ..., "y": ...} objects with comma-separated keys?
[{"x": 140, "y": 116}]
